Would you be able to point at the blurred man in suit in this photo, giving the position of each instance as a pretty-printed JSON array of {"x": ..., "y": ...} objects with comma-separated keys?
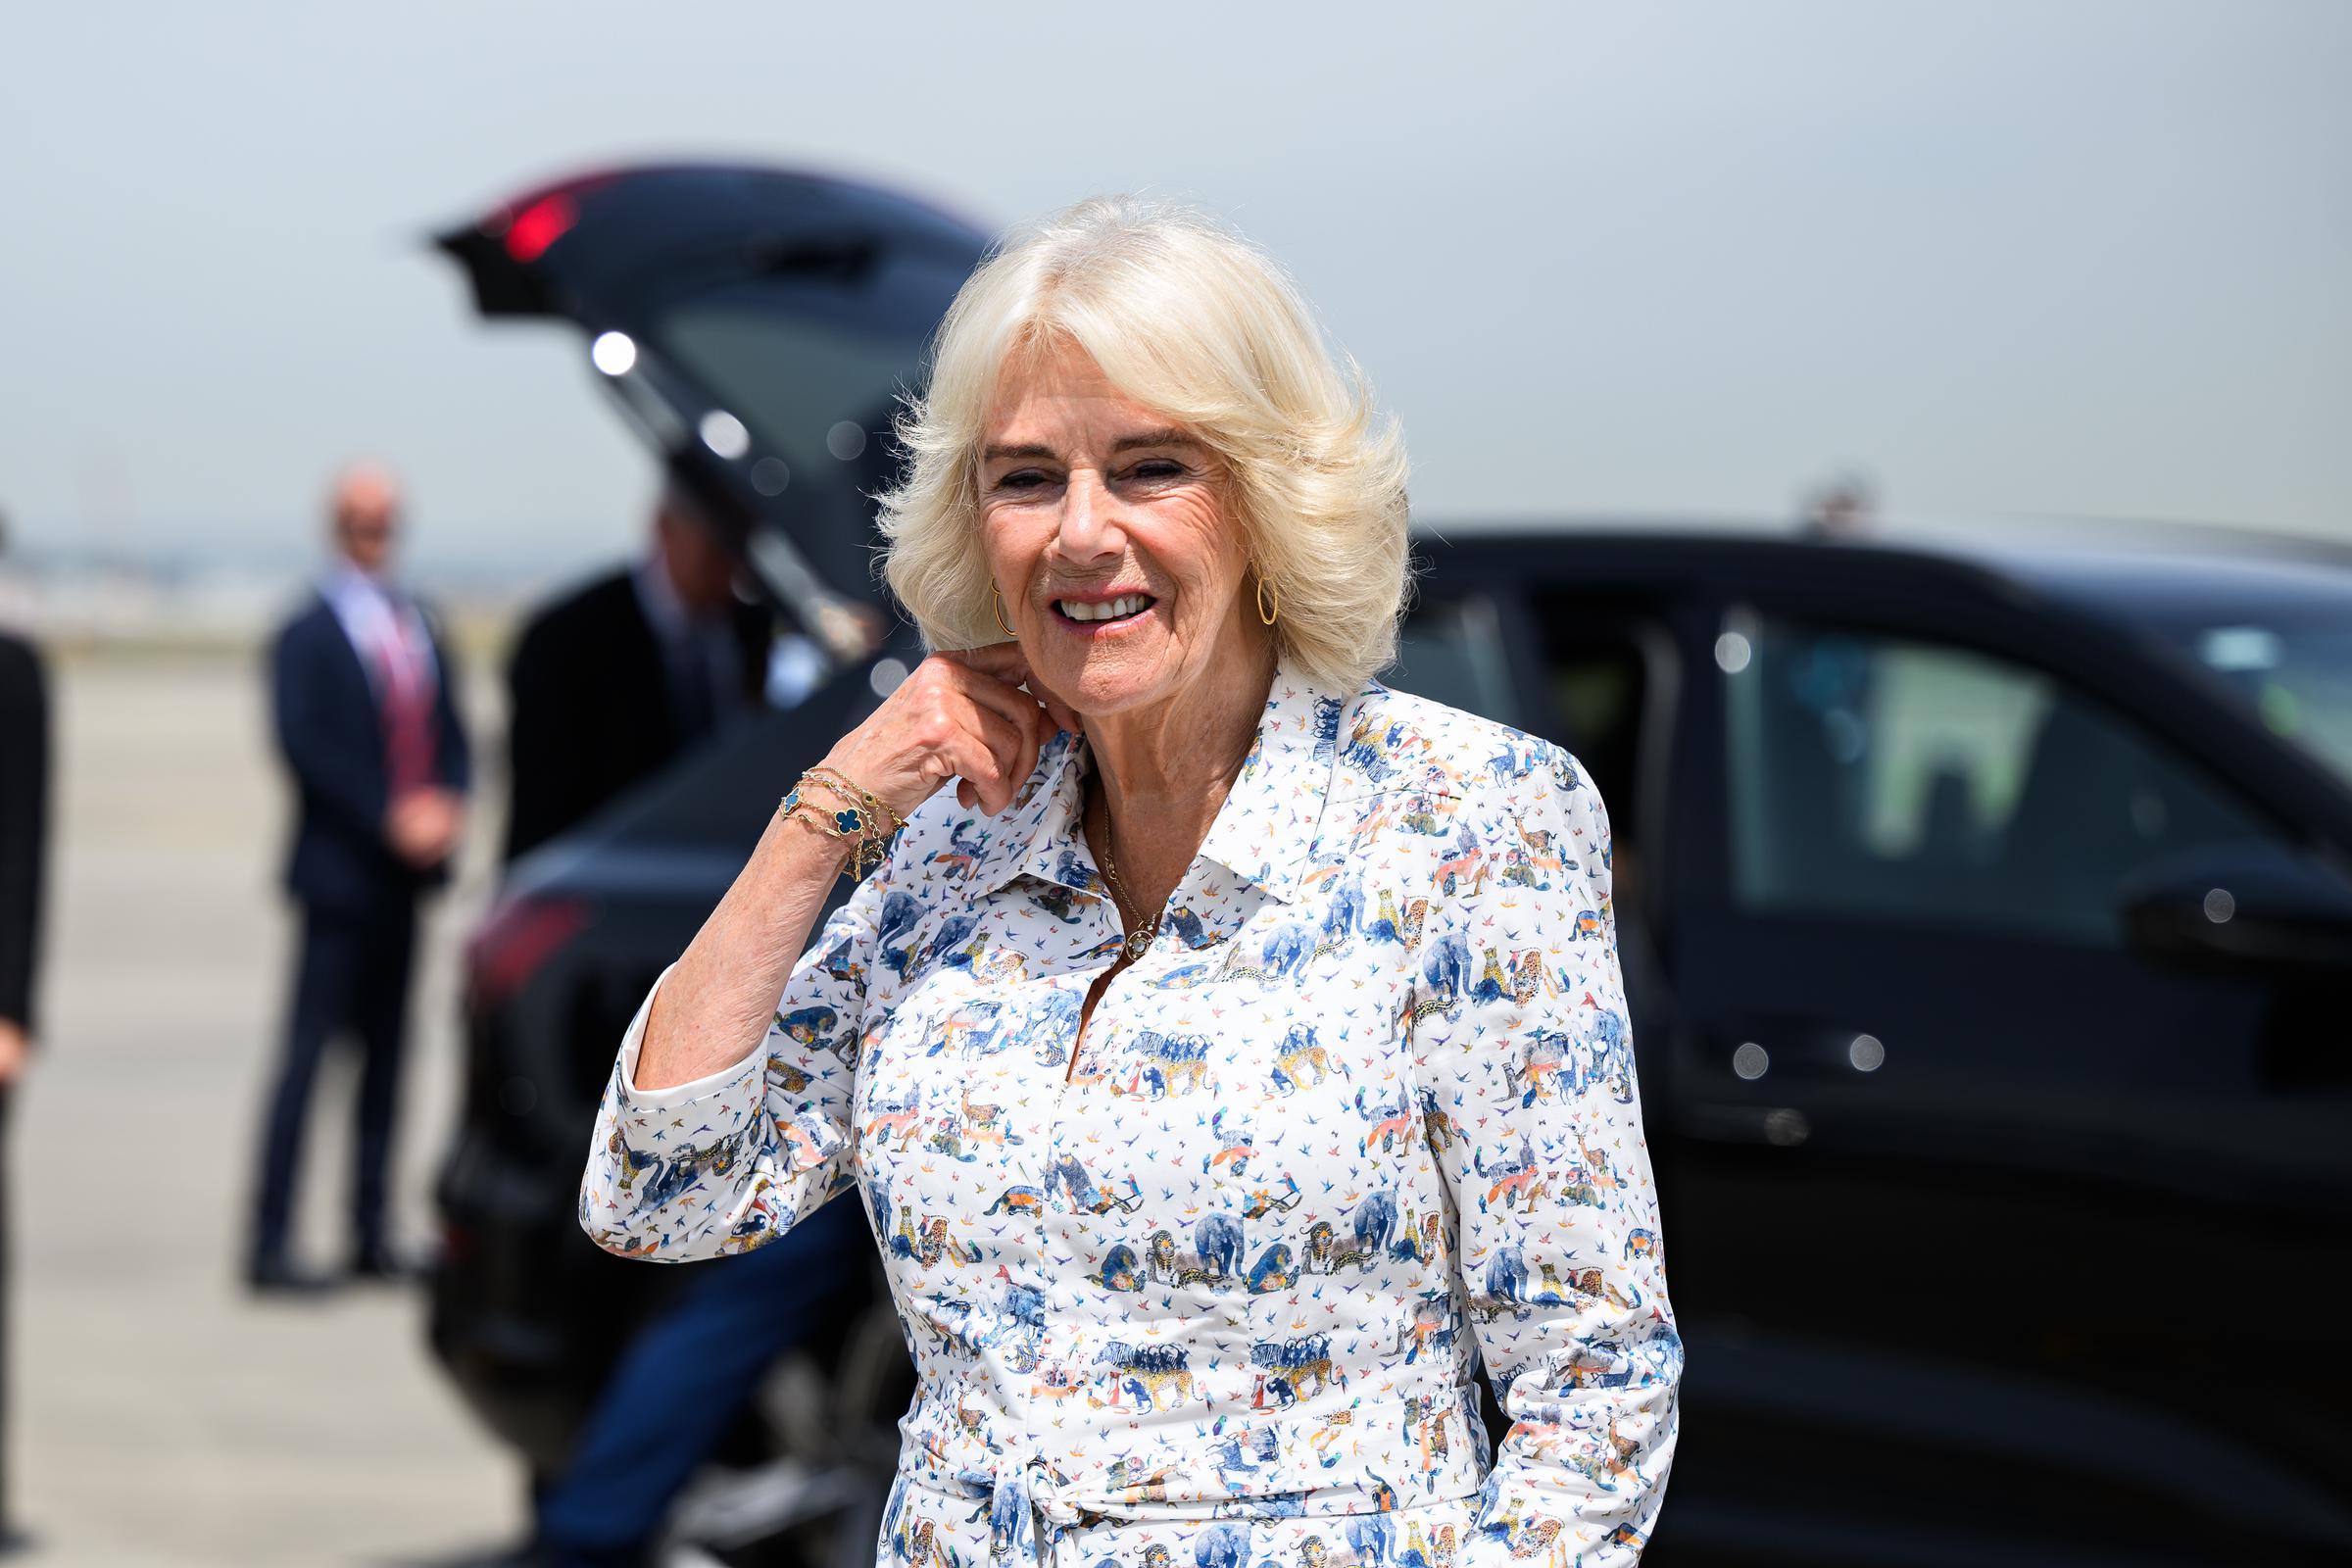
[
  {"x": 612, "y": 683},
  {"x": 23, "y": 846},
  {"x": 363, "y": 698}
]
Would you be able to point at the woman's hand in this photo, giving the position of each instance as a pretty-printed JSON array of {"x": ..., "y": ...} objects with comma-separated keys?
[{"x": 960, "y": 715}]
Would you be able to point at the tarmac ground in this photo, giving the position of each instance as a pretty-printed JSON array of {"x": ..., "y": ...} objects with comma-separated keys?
[{"x": 158, "y": 1413}]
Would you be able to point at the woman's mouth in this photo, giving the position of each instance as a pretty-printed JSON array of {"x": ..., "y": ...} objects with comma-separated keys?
[{"x": 1112, "y": 611}]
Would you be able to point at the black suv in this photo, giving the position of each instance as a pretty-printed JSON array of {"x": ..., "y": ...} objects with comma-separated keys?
[
  {"x": 1988, "y": 927},
  {"x": 1985, "y": 911}
]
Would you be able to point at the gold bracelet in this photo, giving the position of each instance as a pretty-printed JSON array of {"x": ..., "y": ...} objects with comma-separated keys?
[
  {"x": 874, "y": 843},
  {"x": 876, "y": 807},
  {"x": 854, "y": 824},
  {"x": 842, "y": 826}
]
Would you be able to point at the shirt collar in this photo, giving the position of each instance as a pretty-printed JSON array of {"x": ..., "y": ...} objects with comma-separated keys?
[
  {"x": 1262, "y": 833},
  {"x": 344, "y": 583}
]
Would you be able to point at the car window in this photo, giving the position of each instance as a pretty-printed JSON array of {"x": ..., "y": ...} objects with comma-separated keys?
[
  {"x": 1603, "y": 661},
  {"x": 2294, "y": 671},
  {"x": 1888, "y": 777},
  {"x": 1450, "y": 651},
  {"x": 815, "y": 393}
]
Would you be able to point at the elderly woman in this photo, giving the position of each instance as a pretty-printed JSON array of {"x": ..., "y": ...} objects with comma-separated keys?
[{"x": 1237, "y": 1054}]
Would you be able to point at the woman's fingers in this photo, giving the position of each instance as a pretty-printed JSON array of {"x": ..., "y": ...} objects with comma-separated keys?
[
  {"x": 959, "y": 716},
  {"x": 987, "y": 762},
  {"x": 1008, "y": 757},
  {"x": 1006, "y": 662},
  {"x": 991, "y": 694}
]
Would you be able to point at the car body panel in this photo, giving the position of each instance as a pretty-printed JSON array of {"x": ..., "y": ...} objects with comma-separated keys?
[{"x": 1975, "y": 1273}]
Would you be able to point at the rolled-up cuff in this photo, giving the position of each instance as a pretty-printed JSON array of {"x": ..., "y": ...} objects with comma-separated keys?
[{"x": 739, "y": 1083}]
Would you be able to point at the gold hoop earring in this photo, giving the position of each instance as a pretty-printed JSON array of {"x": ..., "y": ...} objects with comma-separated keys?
[
  {"x": 1266, "y": 613},
  {"x": 997, "y": 595}
]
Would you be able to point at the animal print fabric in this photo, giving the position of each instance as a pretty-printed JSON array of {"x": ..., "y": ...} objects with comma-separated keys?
[{"x": 1363, "y": 1112}]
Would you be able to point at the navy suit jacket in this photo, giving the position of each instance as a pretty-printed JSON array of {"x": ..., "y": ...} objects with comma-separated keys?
[{"x": 333, "y": 738}]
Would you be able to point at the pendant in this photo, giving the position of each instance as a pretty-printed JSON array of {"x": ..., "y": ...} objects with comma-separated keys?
[{"x": 1137, "y": 942}]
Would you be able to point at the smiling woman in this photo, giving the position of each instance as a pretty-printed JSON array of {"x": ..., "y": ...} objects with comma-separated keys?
[
  {"x": 1203, "y": 341},
  {"x": 1235, "y": 1057}
]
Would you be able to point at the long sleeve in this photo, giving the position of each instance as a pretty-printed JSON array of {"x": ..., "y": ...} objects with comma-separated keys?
[
  {"x": 732, "y": 1160},
  {"x": 1520, "y": 1039},
  {"x": 24, "y": 824}
]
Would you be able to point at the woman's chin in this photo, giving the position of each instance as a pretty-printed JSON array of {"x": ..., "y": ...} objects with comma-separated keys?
[{"x": 1104, "y": 685}]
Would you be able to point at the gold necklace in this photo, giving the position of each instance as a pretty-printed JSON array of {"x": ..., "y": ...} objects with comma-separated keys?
[{"x": 1140, "y": 932}]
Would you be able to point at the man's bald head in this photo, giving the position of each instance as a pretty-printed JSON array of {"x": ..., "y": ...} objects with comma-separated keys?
[{"x": 365, "y": 503}]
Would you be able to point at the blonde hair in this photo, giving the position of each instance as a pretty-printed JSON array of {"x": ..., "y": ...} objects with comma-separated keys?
[{"x": 1187, "y": 317}]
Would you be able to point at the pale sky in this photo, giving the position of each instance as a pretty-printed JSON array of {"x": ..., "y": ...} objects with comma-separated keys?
[{"x": 2006, "y": 256}]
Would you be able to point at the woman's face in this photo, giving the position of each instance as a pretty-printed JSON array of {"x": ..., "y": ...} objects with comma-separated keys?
[{"x": 1108, "y": 531}]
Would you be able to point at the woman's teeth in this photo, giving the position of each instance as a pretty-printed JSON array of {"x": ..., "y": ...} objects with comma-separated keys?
[{"x": 1107, "y": 609}]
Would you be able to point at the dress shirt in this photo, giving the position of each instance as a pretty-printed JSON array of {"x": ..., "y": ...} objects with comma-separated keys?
[
  {"x": 1363, "y": 1111},
  {"x": 384, "y": 625}
]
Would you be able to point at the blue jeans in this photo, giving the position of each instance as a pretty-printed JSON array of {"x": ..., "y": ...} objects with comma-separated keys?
[{"x": 685, "y": 1377}]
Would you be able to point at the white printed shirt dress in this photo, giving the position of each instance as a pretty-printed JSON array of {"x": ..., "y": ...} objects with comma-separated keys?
[{"x": 1363, "y": 1114}]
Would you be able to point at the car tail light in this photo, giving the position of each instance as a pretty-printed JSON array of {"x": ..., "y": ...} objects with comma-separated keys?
[
  {"x": 539, "y": 225},
  {"x": 514, "y": 940}
]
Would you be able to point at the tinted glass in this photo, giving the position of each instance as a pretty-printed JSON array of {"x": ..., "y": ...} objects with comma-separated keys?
[
  {"x": 1881, "y": 777},
  {"x": 816, "y": 394},
  {"x": 2296, "y": 673},
  {"x": 1452, "y": 652}
]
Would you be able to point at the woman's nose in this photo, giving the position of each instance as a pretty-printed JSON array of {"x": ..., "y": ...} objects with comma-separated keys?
[{"x": 1090, "y": 518}]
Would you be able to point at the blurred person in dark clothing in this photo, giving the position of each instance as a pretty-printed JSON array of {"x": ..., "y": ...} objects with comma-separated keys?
[
  {"x": 23, "y": 830},
  {"x": 609, "y": 685},
  {"x": 23, "y": 844},
  {"x": 364, "y": 697},
  {"x": 613, "y": 681}
]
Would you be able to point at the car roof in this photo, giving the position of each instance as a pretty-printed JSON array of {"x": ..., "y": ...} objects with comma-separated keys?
[
  {"x": 2168, "y": 589},
  {"x": 2139, "y": 575}
]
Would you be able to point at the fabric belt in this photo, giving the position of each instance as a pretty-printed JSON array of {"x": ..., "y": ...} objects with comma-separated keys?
[{"x": 1031, "y": 1511}]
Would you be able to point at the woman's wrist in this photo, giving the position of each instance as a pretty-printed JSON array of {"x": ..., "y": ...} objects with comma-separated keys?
[
  {"x": 833, "y": 806},
  {"x": 808, "y": 821}
]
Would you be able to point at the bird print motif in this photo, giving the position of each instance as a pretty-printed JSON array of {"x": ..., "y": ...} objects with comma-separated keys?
[{"x": 1211, "y": 1293}]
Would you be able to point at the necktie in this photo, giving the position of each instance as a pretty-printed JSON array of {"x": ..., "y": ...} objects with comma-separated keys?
[{"x": 407, "y": 708}]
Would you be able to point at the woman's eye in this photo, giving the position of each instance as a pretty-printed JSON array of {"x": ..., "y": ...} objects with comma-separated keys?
[
  {"x": 1155, "y": 468},
  {"x": 1023, "y": 479}
]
